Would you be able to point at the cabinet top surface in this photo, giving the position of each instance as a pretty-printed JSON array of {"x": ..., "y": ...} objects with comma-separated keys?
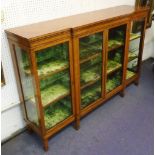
[{"x": 33, "y": 31}]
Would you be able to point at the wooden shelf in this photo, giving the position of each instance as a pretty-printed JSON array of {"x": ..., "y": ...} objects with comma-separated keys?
[
  {"x": 129, "y": 74},
  {"x": 90, "y": 75},
  {"x": 32, "y": 99},
  {"x": 116, "y": 67},
  {"x": 115, "y": 47},
  {"x": 132, "y": 56},
  {"x": 54, "y": 72},
  {"x": 55, "y": 98},
  {"x": 82, "y": 43},
  {"x": 90, "y": 50},
  {"x": 90, "y": 83},
  {"x": 133, "y": 64},
  {"x": 49, "y": 71},
  {"x": 134, "y": 36},
  {"x": 90, "y": 57},
  {"x": 131, "y": 80}
]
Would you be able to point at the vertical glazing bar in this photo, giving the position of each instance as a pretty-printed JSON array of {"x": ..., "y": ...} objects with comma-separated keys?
[
  {"x": 72, "y": 75},
  {"x": 77, "y": 80},
  {"x": 104, "y": 51},
  {"x": 126, "y": 52},
  {"x": 105, "y": 59}
]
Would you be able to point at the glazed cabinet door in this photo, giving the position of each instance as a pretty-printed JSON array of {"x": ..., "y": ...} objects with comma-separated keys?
[
  {"x": 90, "y": 56},
  {"x": 53, "y": 67},
  {"x": 135, "y": 49},
  {"x": 115, "y": 57}
]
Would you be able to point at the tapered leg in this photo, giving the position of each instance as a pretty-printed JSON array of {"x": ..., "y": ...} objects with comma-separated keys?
[
  {"x": 122, "y": 93},
  {"x": 136, "y": 82},
  {"x": 77, "y": 124},
  {"x": 45, "y": 143}
]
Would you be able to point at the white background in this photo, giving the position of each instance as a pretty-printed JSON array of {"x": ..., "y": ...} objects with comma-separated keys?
[{"x": 22, "y": 12}]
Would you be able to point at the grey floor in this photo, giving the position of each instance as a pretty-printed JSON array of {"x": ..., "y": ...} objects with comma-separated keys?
[{"x": 123, "y": 126}]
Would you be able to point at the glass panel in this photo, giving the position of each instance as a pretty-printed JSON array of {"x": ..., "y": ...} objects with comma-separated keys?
[
  {"x": 27, "y": 84},
  {"x": 54, "y": 75},
  {"x": 134, "y": 46},
  {"x": 90, "y": 68},
  {"x": 115, "y": 57}
]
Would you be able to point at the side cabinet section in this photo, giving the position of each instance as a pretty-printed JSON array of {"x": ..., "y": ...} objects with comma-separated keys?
[{"x": 136, "y": 43}]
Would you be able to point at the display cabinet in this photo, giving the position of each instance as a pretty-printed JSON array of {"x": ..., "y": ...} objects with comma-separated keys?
[{"x": 67, "y": 67}]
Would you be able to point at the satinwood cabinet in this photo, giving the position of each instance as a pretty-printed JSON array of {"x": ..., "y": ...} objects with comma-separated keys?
[{"x": 67, "y": 67}]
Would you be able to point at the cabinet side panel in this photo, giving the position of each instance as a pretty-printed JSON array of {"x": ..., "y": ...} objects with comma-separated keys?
[
  {"x": 26, "y": 78},
  {"x": 135, "y": 48},
  {"x": 18, "y": 81}
]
